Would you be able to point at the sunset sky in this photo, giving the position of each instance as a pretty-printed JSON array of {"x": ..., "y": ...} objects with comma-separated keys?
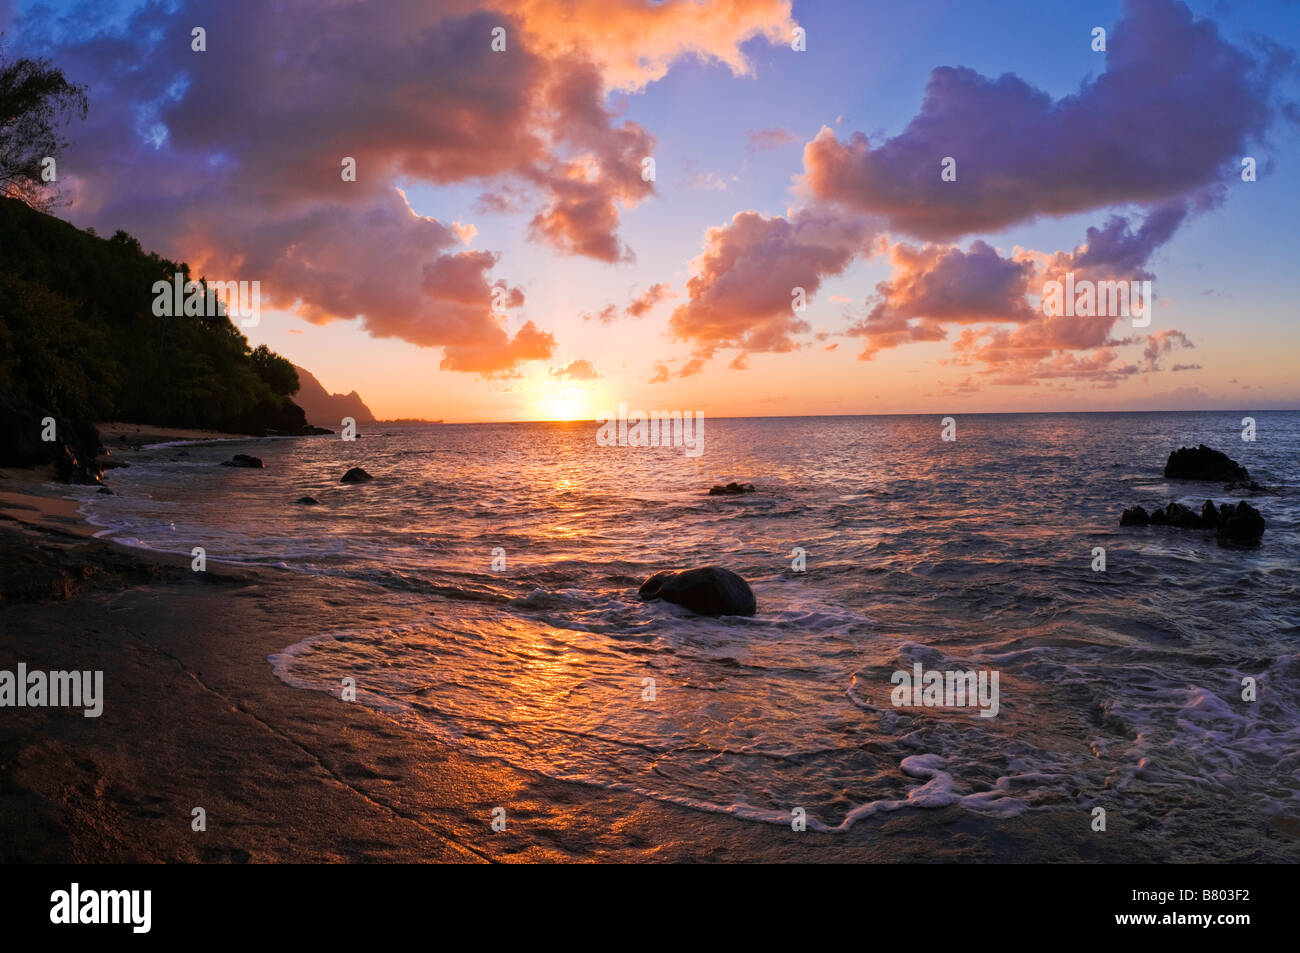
[{"x": 774, "y": 168}]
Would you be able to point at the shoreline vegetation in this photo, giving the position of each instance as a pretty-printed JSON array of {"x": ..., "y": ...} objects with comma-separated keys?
[{"x": 79, "y": 342}]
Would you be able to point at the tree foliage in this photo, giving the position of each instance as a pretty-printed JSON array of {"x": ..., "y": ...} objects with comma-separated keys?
[{"x": 34, "y": 97}]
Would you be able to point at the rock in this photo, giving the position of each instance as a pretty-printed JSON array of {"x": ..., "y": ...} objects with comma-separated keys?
[
  {"x": 1202, "y": 463},
  {"x": 1247, "y": 486},
  {"x": 244, "y": 460},
  {"x": 1183, "y": 517},
  {"x": 708, "y": 590},
  {"x": 308, "y": 501},
  {"x": 183, "y": 453},
  {"x": 732, "y": 489},
  {"x": 1241, "y": 524},
  {"x": 106, "y": 491},
  {"x": 1134, "y": 516},
  {"x": 356, "y": 475}
]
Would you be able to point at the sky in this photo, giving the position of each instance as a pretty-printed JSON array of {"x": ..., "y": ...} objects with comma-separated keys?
[{"x": 506, "y": 252}]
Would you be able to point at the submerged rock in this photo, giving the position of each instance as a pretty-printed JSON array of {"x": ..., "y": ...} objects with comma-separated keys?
[
  {"x": 308, "y": 501},
  {"x": 244, "y": 460},
  {"x": 732, "y": 489},
  {"x": 1202, "y": 463},
  {"x": 356, "y": 475},
  {"x": 106, "y": 491},
  {"x": 708, "y": 590}
]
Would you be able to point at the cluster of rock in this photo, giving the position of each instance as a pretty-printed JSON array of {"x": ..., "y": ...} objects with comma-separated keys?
[
  {"x": 1237, "y": 523},
  {"x": 732, "y": 489}
]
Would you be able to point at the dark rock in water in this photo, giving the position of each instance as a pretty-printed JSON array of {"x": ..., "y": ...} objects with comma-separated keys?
[
  {"x": 1247, "y": 486},
  {"x": 356, "y": 475},
  {"x": 709, "y": 590},
  {"x": 1240, "y": 524},
  {"x": 1202, "y": 463},
  {"x": 105, "y": 490},
  {"x": 1134, "y": 516},
  {"x": 1181, "y": 516},
  {"x": 732, "y": 489},
  {"x": 183, "y": 453},
  {"x": 244, "y": 460},
  {"x": 308, "y": 501}
]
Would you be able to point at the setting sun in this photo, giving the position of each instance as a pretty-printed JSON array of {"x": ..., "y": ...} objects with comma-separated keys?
[{"x": 564, "y": 402}]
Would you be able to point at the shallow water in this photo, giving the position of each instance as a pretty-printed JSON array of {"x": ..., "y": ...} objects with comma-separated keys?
[{"x": 1119, "y": 689}]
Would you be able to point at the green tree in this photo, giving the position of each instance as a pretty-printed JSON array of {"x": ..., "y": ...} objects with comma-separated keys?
[{"x": 276, "y": 372}]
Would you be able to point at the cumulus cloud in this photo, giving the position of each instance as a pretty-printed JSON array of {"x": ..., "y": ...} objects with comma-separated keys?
[
  {"x": 580, "y": 370},
  {"x": 741, "y": 292},
  {"x": 642, "y": 304},
  {"x": 1173, "y": 111},
  {"x": 236, "y": 168},
  {"x": 1020, "y": 154},
  {"x": 935, "y": 286},
  {"x": 994, "y": 300}
]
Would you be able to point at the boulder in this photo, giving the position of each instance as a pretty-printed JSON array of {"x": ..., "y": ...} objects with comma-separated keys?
[
  {"x": 106, "y": 491},
  {"x": 1183, "y": 517},
  {"x": 308, "y": 501},
  {"x": 244, "y": 460},
  {"x": 1240, "y": 524},
  {"x": 1202, "y": 463},
  {"x": 732, "y": 489},
  {"x": 356, "y": 475},
  {"x": 708, "y": 590},
  {"x": 1134, "y": 516}
]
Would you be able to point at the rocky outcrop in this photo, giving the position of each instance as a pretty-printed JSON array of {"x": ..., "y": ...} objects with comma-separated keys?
[
  {"x": 244, "y": 460},
  {"x": 1203, "y": 463},
  {"x": 708, "y": 590},
  {"x": 356, "y": 475},
  {"x": 1237, "y": 523},
  {"x": 732, "y": 489}
]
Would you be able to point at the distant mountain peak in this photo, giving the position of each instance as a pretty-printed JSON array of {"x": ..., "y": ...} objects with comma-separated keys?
[{"x": 324, "y": 409}]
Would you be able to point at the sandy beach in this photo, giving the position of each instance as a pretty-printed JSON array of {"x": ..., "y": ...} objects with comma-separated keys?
[{"x": 194, "y": 717}]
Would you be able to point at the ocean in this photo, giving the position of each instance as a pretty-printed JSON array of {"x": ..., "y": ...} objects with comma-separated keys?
[{"x": 515, "y": 551}]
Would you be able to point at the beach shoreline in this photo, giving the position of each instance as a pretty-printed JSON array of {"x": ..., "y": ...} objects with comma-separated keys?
[{"x": 193, "y": 717}]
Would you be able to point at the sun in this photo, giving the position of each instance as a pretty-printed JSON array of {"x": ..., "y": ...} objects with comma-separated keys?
[{"x": 564, "y": 402}]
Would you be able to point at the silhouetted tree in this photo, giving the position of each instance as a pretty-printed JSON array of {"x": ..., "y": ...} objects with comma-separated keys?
[{"x": 33, "y": 96}]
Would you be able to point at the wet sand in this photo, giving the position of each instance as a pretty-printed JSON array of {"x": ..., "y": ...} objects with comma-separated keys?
[{"x": 194, "y": 717}]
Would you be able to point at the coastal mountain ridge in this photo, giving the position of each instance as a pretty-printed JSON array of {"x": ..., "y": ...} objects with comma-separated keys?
[{"x": 324, "y": 409}]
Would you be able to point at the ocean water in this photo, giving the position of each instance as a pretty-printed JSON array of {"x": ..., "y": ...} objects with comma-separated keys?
[{"x": 1120, "y": 689}]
